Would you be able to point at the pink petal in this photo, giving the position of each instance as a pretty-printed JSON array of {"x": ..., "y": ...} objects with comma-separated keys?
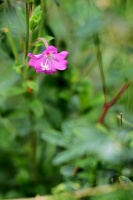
[
  {"x": 36, "y": 63},
  {"x": 61, "y": 56},
  {"x": 50, "y": 72},
  {"x": 52, "y": 68},
  {"x": 31, "y": 63},
  {"x": 55, "y": 61},
  {"x": 34, "y": 56},
  {"x": 51, "y": 49},
  {"x": 60, "y": 65}
]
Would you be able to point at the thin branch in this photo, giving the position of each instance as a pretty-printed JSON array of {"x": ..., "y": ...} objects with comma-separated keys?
[
  {"x": 99, "y": 190},
  {"x": 112, "y": 102}
]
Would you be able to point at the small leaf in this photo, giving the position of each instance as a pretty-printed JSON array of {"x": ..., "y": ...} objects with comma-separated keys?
[
  {"x": 40, "y": 43},
  {"x": 18, "y": 68},
  {"x": 124, "y": 181},
  {"x": 67, "y": 170},
  {"x": 48, "y": 38},
  {"x": 35, "y": 18},
  {"x": 54, "y": 137},
  {"x": 32, "y": 85},
  {"x": 65, "y": 156},
  {"x": 13, "y": 91}
]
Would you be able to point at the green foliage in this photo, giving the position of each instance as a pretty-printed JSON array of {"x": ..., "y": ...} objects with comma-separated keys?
[
  {"x": 35, "y": 18},
  {"x": 50, "y": 141}
]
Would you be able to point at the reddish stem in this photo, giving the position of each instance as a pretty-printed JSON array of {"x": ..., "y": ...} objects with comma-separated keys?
[
  {"x": 31, "y": 9},
  {"x": 112, "y": 102},
  {"x": 106, "y": 108}
]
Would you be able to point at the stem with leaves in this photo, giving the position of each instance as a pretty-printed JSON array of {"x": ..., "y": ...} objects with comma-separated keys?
[
  {"x": 27, "y": 29},
  {"x": 107, "y": 105},
  {"x": 43, "y": 8}
]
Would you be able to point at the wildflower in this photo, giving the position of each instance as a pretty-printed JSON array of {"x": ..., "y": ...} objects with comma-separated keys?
[{"x": 49, "y": 61}]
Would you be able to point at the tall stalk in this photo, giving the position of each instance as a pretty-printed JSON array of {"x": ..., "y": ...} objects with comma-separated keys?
[
  {"x": 27, "y": 29},
  {"x": 9, "y": 33},
  {"x": 43, "y": 8},
  {"x": 100, "y": 64}
]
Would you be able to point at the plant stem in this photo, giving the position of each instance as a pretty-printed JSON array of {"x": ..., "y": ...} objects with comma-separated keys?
[
  {"x": 107, "y": 105},
  {"x": 13, "y": 46},
  {"x": 27, "y": 39},
  {"x": 27, "y": 29},
  {"x": 9, "y": 34},
  {"x": 101, "y": 190},
  {"x": 43, "y": 7},
  {"x": 121, "y": 116},
  {"x": 33, "y": 145},
  {"x": 99, "y": 59}
]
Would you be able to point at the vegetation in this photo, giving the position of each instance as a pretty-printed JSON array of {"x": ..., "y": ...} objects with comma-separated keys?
[{"x": 67, "y": 135}]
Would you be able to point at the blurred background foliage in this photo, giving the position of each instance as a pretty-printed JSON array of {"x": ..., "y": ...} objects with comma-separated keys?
[{"x": 50, "y": 141}]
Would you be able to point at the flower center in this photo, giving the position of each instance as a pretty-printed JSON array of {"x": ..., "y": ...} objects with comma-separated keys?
[{"x": 45, "y": 65}]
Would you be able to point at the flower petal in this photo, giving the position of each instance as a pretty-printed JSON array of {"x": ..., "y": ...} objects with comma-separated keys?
[
  {"x": 46, "y": 67},
  {"x": 51, "y": 49},
  {"x": 52, "y": 68},
  {"x": 36, "y": 63},
  {"x": 61, "y": 56},
  {"x": 49, "y": 61},
  {"x": 60, "y": 65},
  {"x": 32, "y": 63},
  {"x": 34, "y": 56}
]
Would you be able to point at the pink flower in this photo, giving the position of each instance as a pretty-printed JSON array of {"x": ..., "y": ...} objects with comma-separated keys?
[{"x": 49, "y": 61}]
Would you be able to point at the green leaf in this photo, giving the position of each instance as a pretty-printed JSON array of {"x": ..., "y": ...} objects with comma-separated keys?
[
  {"x": 54, "y": 137},
  {"x": 40, "y": 43},
  {"x": 13, "y": 91},
  {"x": 65, "y": 156},
  {"x": 14, "y": 19},
  {"x": 31, "y": 84},
  {"x": 124, "y": 181},
  {"x": 48, "y": 38},
  {"x": 67, "y": 170},
  {"x": 35, "y": 18},
  {"x": 37, "y": 107},
  {"x": 18, "y": 68}
]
